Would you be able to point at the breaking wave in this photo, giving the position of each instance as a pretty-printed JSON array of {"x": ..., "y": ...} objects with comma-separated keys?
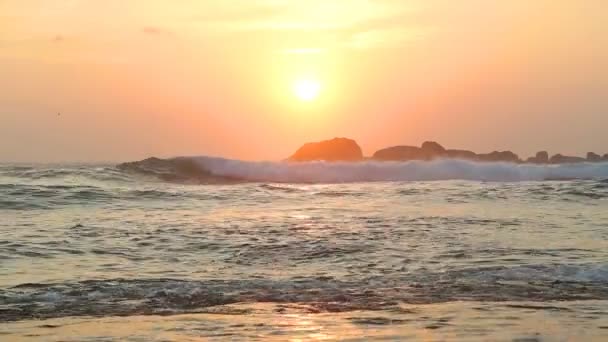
[
  {"x": 220, "y": 170},
  {"x": 126, "y": 297}
]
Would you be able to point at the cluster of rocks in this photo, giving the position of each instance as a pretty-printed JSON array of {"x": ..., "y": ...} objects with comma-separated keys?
[
  {"x": 343, "y": 149},
  {"x": 543, "y": 158}
]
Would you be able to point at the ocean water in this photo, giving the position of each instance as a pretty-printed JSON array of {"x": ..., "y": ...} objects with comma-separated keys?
[{"x": 214, "y": 249}]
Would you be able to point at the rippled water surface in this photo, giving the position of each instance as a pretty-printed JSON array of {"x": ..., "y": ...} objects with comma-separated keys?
[{"x": 93, "y": 252}]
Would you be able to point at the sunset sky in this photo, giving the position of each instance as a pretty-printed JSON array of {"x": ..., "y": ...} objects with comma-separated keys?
[{"x": 132, "y": 79}]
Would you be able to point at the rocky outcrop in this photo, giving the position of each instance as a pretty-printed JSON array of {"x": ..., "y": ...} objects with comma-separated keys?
[
  {"x": 461, "y": 154},
  {"x": 502, "y": 156},
  {"x": 541, "y": 157},
  {"x": 593, "y": 157},
  {"x": 433, "y": 149},
  {"x": 400, "y": 153},
  {"x": 343, "y": 149},
  {"x": 337, "y": 149},
  {"x": 561, "y": 159},
  {"x": 428, "y": 151}
]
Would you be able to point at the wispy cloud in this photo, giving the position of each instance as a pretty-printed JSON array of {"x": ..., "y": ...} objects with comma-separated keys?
[
  {"x": 357, "y": 24},
  {"x": 290, "y": 27}
]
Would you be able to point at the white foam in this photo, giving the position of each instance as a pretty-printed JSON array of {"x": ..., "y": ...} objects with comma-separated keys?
[
  {"x": 565, "y": 272},
  {"x": 446, "y": 169}
]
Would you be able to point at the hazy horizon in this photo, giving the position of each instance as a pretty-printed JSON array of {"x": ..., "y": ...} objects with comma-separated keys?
[{"x": 138, "y": 79}]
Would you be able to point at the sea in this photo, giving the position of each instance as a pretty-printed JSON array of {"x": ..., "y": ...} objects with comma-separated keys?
[{"x": 213, "y": 249}]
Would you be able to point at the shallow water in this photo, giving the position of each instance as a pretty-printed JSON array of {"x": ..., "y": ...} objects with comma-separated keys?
[
  {"x": 470, "y": 321},
  {"x": 92, "y": 252}
]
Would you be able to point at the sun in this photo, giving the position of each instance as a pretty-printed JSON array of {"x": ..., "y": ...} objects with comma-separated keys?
[{"x": 306, "y": 89}]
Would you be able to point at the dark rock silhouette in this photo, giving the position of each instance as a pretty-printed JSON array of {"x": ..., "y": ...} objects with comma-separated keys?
[
  {"x": 561, "y": 159},
  {"x": 593, "y": 157},
  {"x": 433, "y": 149},
  {"x": 541, "y": 157},
  {"x": 337, "y": 149},
  {"x": 461, "y": 154},
  {"x": 400, "y": 153},
  {"x": 502, "y": 156},
  {"x": 428, "y": 151},
  {"x": 343, "y": 149}
]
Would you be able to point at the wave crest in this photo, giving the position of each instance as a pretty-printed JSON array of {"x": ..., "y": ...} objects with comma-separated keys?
[{"x": 220, "y": 170}]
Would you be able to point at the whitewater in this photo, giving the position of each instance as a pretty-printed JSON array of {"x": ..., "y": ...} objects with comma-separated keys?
[
  {"x": 206, "y": 248},
  {"x": 365, "y": 171}
]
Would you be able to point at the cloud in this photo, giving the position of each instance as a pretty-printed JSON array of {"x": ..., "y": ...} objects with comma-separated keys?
[{"x": 356, "y": 24}]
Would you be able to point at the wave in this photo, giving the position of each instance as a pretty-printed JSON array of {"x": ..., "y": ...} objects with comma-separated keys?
[
  {"x": 126, "y": 297},
  {"x": 221, "y": 170},
  {"x": 61, "y": 174}
]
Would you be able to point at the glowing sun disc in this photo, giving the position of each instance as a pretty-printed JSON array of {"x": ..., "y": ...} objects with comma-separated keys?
[{"x": 306, "y": 89}]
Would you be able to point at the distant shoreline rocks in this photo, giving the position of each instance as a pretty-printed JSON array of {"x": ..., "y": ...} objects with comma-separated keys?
[
  {"x": 540, "y": 158},
  {"x": 337, "y": 149},
  {"x": 344, "y": 149}
]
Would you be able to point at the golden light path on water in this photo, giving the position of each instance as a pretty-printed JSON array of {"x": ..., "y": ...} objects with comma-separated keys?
[{"x": 262, "y": 322}]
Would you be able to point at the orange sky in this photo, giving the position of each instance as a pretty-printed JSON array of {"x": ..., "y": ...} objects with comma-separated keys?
[{"x": 134, "y": 78}]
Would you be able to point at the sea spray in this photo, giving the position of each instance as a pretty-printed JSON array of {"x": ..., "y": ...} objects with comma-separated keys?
[{"x": 214, "y": 168}]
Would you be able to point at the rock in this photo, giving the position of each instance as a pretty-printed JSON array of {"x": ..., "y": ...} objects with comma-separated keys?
[
  {"x": 541, "y": 157},
  {"x": 428, "y": 151},
  {"x": 337, "y": 149},
  {"x": 400, "y": 153},
  {"x": 561, "y": 159},
  {"x": 593, "y": 157},
  {"x": 461, "y": 154},
  {"x": 502, "y": 156},
  {"x": 433, "y": 149}
]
